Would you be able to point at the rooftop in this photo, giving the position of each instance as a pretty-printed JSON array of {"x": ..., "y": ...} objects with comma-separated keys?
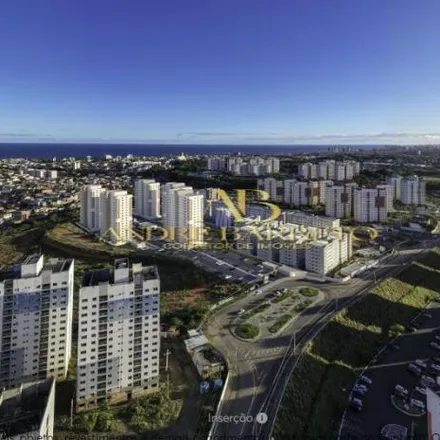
[
  {"x": 96, "y": 277},
  {"x": 53, "y": 265},
  {"x": 22, "y": 408}
]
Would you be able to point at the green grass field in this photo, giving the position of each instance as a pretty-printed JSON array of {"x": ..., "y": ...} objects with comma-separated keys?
[{"x": 314, "y": 399}]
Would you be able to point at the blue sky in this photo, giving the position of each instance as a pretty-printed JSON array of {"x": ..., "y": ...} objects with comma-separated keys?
[{"x": 225, "y": 71}]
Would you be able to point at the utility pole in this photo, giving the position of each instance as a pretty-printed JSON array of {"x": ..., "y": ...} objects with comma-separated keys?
[
  {"x": 71, "y": 413},
  {"x": 167, "y": 354}
]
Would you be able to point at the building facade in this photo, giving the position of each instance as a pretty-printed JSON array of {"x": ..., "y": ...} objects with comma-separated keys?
[
  {"x": 147, "y": 198},
  {"x": 118, "y": 334},
  {"x": 413, "y": 191},
  {"x": 371, "y": 204},
  {"x": 90, "y": 207},
  {"x": 36, "y": 309},
  {"x": 117, "y": 216}
]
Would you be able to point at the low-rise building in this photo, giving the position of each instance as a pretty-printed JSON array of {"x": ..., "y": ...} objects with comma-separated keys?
[{"x": 28, "y": 411}]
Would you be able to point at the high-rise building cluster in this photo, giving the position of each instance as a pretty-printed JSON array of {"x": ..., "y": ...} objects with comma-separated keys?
[
  {"x": 118, "y": 328},
  {"x": 329, "y": 170},
  {"x": 364, "y": 205},
  {"x": 408, "y": 190},
  {"x": 241, "y": 166},
  {"x": 180, "y": 208},
  {"x": 109, "y": 213},
  {"x": 295, "y": 192}
]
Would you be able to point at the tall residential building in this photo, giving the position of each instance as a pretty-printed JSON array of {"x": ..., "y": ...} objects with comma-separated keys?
[
  {"x": 117, "y": 216},
  {"x": 36, "y": 309},
  {"x": 216, "y": 163},
  {"x": 28, "y": 411},
  {"x": 274, "y": 187},
  {"x": 308, "y": 170},
  {"x": 396, "y": 184},
  {"x": 168, "y": 208},
  {"x": 182, "y": 214},
  {"x": 413, "y": 191},
  {"x": 371, "y": 204},
  {"x": 90, "y": 208},
  {"x": 389, "y": 196},
  {"x": 339, "y": 171},
  {"x": 147, "y": 198},
  {"x": 305, "y": 193},
  {"x": 118, "y": 334},
  {"x": 322, "y": 256},
  {"x": 339, "y": 200}
]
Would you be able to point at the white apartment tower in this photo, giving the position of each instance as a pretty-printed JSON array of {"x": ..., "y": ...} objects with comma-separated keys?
[
  {"x": 396, "y": 184},
  {"x": 371, "y": 205},
  {"x": 117, "y": 216},
  {"x": 339, "y": 200},
  {"x": 308, "y": 170},
  {"x": 182, "y": 214},
  {"x": 322, "y": 256},
  {"x": 36, "y": 309},
  {"x": 147, "y": 198},
  {"x": 413, "y": 191},
  {"x": 118, "y": 334},
  {"x": 90, "y": 208}
]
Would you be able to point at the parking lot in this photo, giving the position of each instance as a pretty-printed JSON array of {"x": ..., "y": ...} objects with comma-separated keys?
[
  {"x": 228, "y": 265},
  {"x": 381, "y": 404}
]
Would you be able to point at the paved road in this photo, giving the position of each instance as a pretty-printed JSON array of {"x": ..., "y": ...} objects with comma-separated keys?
[{"x": 259, "y": 370}]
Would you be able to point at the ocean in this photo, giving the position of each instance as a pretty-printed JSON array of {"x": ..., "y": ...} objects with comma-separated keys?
[{"x": 50, "y": 150}]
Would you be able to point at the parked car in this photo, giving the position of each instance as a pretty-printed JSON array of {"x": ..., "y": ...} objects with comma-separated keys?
[
  {"x": 421, "y": 364},
  {"x": 399, "y": 390},
  {"x": 435, "y": 367},
  {"x": 365, "y": 379},
  {"x": 241, "y": 312},
  {"x": 420, "y": 390},
  {"x": 417, "y": 403},
  {"x": 415, "y": 369},
  {"x": 359, "y": 390},
  {"x": 427, "y": 380},
  {"x": 434, "y": 345},
  {"x": 356, "y": 404}
]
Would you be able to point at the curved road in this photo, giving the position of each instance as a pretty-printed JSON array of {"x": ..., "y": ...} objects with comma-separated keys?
[{"x": 259, "y": 370}]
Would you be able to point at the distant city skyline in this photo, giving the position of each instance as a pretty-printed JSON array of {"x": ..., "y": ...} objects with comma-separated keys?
[{"x": 264, "y": 72}]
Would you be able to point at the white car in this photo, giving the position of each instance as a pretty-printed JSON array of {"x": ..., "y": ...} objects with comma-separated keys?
[
  {"x": 427, "y": 379},
  {"x": 435, "y": 367},
  {"x": 399, "y": 390},
  {"x": 434, "y": 345},
  {"x": 417, "y": 403},
  {"x": 241, "y": 312}
]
